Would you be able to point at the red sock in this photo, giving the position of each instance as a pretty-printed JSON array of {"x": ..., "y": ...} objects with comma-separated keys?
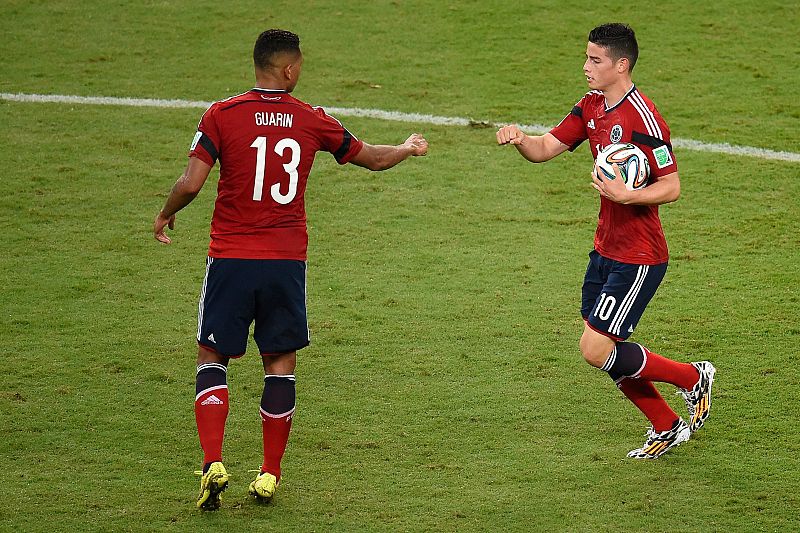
[
  {"x": 644, "y": 395},
  {"x": 277, "y": 410},
  {"x": 276, "y": 434},
  {"x": 211, "y": 409},
  {"x": 658, "y": 368},
  {"x": 211, "y": 412}
]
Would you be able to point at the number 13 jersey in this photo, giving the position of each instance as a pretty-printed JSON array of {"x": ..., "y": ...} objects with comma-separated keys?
[{"x": 265, "y": 141}]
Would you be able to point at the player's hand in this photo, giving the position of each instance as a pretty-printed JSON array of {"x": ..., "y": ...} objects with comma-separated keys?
[
  {"x": 615, "y": 190},
  {"x": 158, "y": 227},
  {"x": 417, "y": 144},
  {"x": 510, "y": 134}
]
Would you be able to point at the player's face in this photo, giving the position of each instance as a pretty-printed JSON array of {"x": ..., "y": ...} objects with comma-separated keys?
[{"x": 600, "y": 70}]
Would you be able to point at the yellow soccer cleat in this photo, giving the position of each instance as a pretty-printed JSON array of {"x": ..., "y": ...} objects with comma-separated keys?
[
  {"x": 263, "y": 487},
  {"x": 212, "y": 483}
]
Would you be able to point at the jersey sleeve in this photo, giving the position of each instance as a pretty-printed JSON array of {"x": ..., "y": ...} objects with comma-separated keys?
[
  {"x": 657, "y": 146},
  {"x": 206, "y": 142},
  {"x": 572, "y": 129},
  {"x": 335, "y": 138}
]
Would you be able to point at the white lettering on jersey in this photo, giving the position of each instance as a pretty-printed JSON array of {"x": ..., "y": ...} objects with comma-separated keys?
[{"x": 265, "y": 118}]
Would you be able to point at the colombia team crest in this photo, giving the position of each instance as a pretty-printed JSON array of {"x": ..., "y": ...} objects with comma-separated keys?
[{"x": 616, "y": 133}]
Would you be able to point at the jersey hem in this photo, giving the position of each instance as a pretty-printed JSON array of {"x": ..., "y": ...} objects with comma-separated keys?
[
  {"x": 631, "y": 260},
  {"x": 257, "y": 255}
]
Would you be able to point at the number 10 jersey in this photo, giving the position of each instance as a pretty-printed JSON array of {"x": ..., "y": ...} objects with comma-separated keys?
[{"x": 265, "y": 141}]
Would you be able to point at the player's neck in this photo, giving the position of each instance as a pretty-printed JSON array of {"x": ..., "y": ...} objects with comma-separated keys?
[
  {"x": 272, "y": 86},
  {"x": 272, "y": 83},
  {"x": 617, "y": 92}
]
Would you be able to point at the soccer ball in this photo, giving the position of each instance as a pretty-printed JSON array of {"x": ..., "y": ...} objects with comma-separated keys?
[{"x": 632, "y": 163}]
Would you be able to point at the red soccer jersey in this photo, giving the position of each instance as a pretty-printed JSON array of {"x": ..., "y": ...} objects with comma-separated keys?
[
  {"x": 626, "y": 233},
  {"x": 265, "y": 141}
]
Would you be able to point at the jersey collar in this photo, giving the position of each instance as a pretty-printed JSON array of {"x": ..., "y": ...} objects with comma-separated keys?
[{"x": 268, "y": 91}]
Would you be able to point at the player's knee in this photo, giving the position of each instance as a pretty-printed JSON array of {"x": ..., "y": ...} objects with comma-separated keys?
[
  {"x": 281, "y": 363},
  {"x": 594, "y": 353},
  {"x": 207, "y": 355}
]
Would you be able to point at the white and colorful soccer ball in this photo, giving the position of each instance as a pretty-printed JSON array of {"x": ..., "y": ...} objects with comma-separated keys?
[{"x": 632, "y": 163}]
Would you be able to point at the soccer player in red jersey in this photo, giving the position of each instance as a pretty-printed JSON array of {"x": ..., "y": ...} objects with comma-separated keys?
[
  {"x": 630, "y": 255},
  {"x": 265, "y": 141}
]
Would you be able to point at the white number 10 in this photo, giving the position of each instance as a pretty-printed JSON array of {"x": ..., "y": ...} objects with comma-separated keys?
[{"x": 291, "y": 168}]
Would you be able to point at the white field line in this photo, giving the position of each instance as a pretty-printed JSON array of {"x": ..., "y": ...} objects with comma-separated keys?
[{"x": 688, "y": 144}]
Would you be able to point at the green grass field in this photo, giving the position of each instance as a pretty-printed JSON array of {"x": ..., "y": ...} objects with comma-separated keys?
[{"x": 444, "y": 389}]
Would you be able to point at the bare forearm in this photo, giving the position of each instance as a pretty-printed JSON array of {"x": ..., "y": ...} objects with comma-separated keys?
[
  {"x": 386, "y": 156},
  {"x": 179, "y": 197},
  {"x": 383, "y": 156},
  {"x": 654, "y": 194},
  {"x": 533, "y": 149},
  {"x": 662, "y": 190},
  {"x": 186, "y": 187}
]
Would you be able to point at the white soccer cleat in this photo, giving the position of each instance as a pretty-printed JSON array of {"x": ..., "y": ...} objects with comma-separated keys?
[
  {"x": 658, "y": 443},
  {"x": 698, "y": 400}
]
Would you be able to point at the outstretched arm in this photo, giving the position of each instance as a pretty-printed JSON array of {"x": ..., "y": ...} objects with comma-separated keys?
[
  {"x": 381, "y": 157},
  {"x": 183, "y": 192},
  {"x": 536, "y": 149}
]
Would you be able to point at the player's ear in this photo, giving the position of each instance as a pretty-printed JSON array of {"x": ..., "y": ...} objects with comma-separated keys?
[
  {"x": 622, "y": 64},
  {"x": 291, "y": 71}
]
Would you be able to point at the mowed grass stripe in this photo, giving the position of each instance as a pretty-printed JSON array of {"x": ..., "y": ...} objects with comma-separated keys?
[{"x": 417, "y": 118}]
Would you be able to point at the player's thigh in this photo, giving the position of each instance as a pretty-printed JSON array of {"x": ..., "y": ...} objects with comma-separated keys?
[
  {"x": 227, "y": 306},
  {"x": 624, "y": 297},
  {"x": 597, "y": 272},
  {"x": 281, "y": 319}
]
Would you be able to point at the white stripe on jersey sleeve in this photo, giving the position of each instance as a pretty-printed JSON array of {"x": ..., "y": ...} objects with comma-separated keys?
[{"x": 648, "y": 117}]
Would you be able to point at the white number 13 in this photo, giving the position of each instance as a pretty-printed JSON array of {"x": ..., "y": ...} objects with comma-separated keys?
[{"x": 291, "y": 168}]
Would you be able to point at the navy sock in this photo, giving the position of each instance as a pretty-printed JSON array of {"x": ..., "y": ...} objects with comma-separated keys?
[
  {"x": 278, "y": 397},
  {"x": 626, "y": 360},
  {"x": 210, "y": 375}
]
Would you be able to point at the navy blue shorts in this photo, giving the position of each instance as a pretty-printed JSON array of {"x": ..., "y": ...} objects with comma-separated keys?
[
  {"x": 236, "y": 292},
  {"x": 615, "y": 294}
]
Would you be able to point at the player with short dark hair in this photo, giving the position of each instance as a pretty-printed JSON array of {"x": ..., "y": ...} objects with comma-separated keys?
[
  {"x": 265, "y": 141},
  {"x": 619, "y": 40},
  {"x": 630, "y": 254}
]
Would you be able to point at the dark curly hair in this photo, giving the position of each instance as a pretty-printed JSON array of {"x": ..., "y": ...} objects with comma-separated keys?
[
  {"x": 619, "y": 39},
  {"x": 272, "y": 42}
]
